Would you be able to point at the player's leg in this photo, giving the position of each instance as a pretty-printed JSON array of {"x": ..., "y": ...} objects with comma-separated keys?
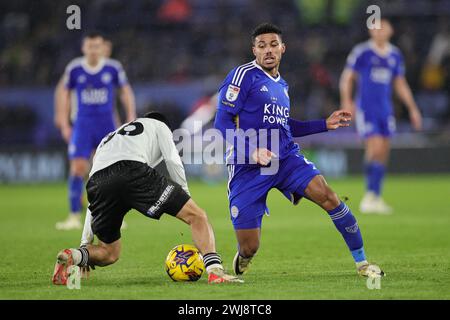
[
  {"x": 152, "y": 194},
  {"x": 78, "y": 170},
  {"x": 376, "y": 133},
  {"x": 202, "y": 232},
  {"x": 248, "y": 245},
  {"x": 203, "y": 237},
  {"x": 79, "y": 151},
  {"x": 320, "y": 193},
  {"x": 101, "y": 254},
  {"x": 377, "y": 148},
  {"x": 247, "y": 194}
]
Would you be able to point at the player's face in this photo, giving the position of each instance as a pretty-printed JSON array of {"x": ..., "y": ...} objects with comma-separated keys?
[
  {"x": 93, "y": 48},
  {"x": 383, "y": 34},
  {"x": 268, "y": 49}
]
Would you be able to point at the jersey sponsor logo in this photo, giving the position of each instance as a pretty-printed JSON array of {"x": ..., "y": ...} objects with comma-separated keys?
[
  {"x": 106, "y": 77},
  {"x": 232, "y": 93},
  {"x": 94, "y": 96},
  {"x": 274, "y": 113},
  {"x": 264, "y": 89},
  {"x": 380, "y": 75},
  {"x": 234, "y": 211}
]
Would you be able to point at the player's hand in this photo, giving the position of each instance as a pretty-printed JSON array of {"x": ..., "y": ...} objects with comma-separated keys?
[
  {"x": 263, "y": 156},
  {"x": 66, "y": 132},
  {"x": 340, "y": 118},
  {"x": 416, "y": 119}
]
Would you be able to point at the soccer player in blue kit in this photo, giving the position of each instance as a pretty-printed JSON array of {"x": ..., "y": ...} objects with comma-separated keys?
[
  {"x": 377, "y": 66},
  {"x": 255, "y": 97},
  {"x": 91, "y": 82}
]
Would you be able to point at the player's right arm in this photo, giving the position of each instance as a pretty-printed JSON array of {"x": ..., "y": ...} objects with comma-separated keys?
[
  {"x": 348, "y": 78},
  {"x": 62, "y": 103},
  {"x": 231, "y": 99},
  {"x": 58, "y": 97}
]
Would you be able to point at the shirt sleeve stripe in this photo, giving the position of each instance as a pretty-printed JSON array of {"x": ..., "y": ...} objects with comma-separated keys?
[
  {"x": 243, "y": 74},
  {"x": 239, "y": 70}
]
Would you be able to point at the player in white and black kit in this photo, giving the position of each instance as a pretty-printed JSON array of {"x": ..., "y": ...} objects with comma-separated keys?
[{"x": 123, "y": 178}]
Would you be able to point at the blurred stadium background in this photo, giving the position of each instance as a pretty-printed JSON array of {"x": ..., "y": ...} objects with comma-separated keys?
[{"x": 176, "y": 53}]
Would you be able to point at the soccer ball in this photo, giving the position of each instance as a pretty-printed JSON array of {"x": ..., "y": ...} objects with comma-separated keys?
[{"x": 184, "y": 263}]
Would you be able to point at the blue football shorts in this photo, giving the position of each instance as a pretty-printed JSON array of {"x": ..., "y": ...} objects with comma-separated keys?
[
  {"x": 248, "y": 188},
  {"x": 87, "y": 135},
  {"x": 372, "y": 124}
]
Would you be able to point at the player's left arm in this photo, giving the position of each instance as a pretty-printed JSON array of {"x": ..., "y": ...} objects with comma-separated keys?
[
  {"x": 403, "y": 91},
  {"x": 128, "y": 101},
  {"x": 339, "y": 118}
]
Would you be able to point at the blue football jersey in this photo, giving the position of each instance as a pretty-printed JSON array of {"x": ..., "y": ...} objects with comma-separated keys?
[
  {"x": 94, "y": 88},
  {"x": 258, "y": 101},
  {"x": 376, "y": 73}
]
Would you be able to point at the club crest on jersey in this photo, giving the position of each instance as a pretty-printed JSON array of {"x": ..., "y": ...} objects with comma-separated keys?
[
  {"x": 286, "y": 92},
  {"x": 106, "y": 78},
  {"x": 81, "y": 79},
  {"x": 232, "y": 93}
]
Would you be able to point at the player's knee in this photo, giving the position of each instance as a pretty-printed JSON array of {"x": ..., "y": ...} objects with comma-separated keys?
[
  {"x": 328, "y": 199},
  {"x": 77, "y": 168},
  {"x": 331, "y": 198}
]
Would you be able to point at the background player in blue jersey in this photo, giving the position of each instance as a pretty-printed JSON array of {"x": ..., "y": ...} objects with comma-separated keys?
[
  {"x": 377, "y": 66},
  {"x": 255, "y": 98},
  {"x": 91, "y": 82}
]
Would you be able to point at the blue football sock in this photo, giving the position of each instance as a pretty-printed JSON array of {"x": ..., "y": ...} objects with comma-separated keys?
[
  {"x": 346, "y": 224},
  {"x": 75, "y": 192},
  {"x": 374, "y": 176}
]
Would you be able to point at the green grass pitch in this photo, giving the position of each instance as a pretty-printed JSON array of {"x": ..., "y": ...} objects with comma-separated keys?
[{"x": 301, "y": 256}]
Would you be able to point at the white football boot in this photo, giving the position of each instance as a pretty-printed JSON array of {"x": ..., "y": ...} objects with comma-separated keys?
[
  {"x": 367, "y": 269},
  {"x": 73, "y": 222},
  {"x": 240, "y": 264},
  {"x": 373, "y": 204},
  {"x": 382, "y": 207},
  {"x": 368, "y": 203}
]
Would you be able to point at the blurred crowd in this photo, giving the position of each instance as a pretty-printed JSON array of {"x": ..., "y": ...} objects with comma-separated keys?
[{"x": 183, "y": 40}]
